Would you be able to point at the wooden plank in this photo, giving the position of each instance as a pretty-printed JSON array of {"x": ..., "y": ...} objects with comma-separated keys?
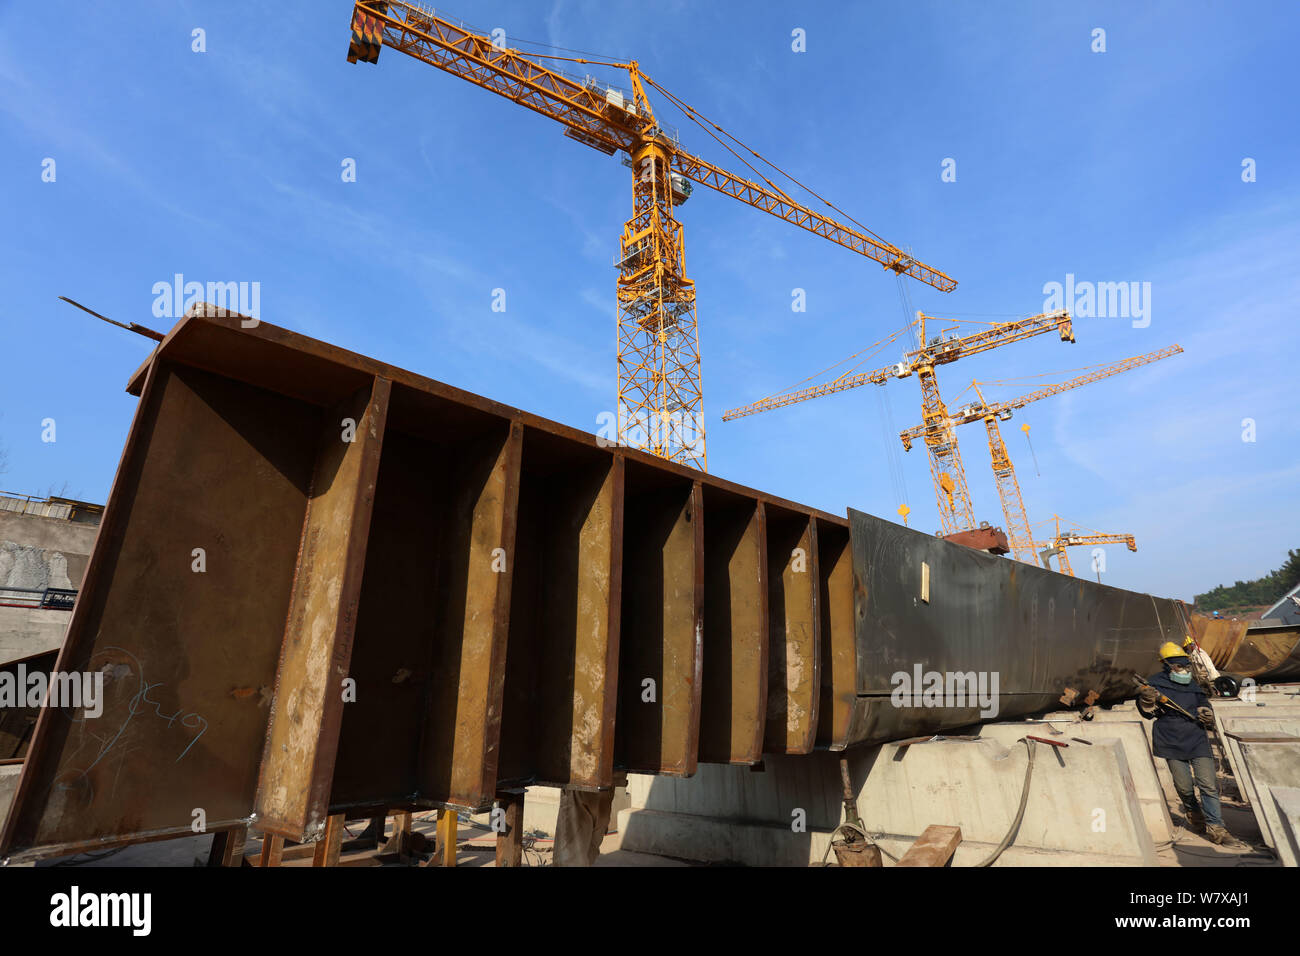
[
  {"x": 794, "y": 647},
  {"x": 400, "y": 840},
  {"x": 326, "y": 850},
  {"x": 934, "y": 847},
  {"x": 302, "y": 739},
  {"x": 510, "y": 838},
  {"x": 228, "y": 847},
  {"x": 734, "y": 691},
  {"x": 272, "y": 849}
]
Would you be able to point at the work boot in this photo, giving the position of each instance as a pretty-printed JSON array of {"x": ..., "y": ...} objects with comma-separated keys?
[
  {"x": 1196, "y": 821},
  {"x": 1220, "y": 836}
]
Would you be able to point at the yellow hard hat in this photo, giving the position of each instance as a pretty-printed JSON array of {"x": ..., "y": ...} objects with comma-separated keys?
[
  {"x": 1188, "y": 640},
  {"x": 1170, "y": 649}
]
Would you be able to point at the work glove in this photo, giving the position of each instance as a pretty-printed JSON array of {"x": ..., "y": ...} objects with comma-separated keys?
[
  {"x": 1205, "y": 716},
  {"x": 1149, "y": 696}
]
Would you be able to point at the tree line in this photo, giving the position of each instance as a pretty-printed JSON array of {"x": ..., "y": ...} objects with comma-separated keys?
[{"x": 1266, "y": 590}]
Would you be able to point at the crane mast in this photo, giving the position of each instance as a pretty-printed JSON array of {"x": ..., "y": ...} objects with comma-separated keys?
[
  {"x": 1020, "y": 537},
  {"x": 659, "y": 390},
  {"x": 1076, "y": 539},
  {"x": 1019, "y": 534},
  {"x": 956, "y": 513}
]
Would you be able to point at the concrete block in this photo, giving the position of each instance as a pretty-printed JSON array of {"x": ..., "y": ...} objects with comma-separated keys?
[
  {"x": 1263, "y": 706},
  {"x": 1286, "y": 803},
  {"x": 1259, "y": 767},
  {"x": 1228, "y": 726},
  {"x": 1084, "y": 811},
  {"x": 1137, "y": 754},
  {"x": 27, "y": 631}
]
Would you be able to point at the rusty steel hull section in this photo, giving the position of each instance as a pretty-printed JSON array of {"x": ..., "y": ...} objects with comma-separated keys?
[
  {"x": 930, "y": 606},
  {"x": 324, "y": 584},
  {"x": 327, "y": 585},
  {"x": 1265, "y": 652},
  {"x": 1268, "y": 653}
]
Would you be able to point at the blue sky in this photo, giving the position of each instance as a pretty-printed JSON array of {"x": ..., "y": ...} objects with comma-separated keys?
[{"x": 1117, "y": 166}]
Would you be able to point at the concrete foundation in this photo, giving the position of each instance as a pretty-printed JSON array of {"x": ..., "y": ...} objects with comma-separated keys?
[
  {"x": 1083, "y": 806},
  {"x": 1260, "y": 767},
  {"x": 38, "y": 551},
  {"x": 1137, "y": 754},
  {"x": 1286, "y": 804}
]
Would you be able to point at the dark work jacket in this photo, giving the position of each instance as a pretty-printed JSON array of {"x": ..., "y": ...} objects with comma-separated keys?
[{"x": 1174, "y": 736}]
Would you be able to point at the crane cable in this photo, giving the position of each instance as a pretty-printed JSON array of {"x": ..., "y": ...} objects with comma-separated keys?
[
  {"x": 702, "y": 120},
  {"x": 1077, "y": 526},
  {"x": 675, "y": 101}
]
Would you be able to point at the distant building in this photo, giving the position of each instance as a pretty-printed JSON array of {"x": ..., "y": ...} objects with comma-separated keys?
[{"x": 45, "y": 545}]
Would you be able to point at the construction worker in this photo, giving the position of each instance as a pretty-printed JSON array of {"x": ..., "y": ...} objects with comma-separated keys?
[{"x": 1183, "y": 742}]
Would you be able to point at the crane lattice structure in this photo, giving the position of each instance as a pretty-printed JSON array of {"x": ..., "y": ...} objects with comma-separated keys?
[
  {"x": 955, "y": 510},
  {"x": 660, "y": 396},
  {"x": 1019, "y": 535},
  {"x": 1077, "y": 538}
]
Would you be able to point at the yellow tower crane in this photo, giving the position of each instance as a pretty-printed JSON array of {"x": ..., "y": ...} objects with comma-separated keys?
[
  {"x": 660, "y": 398},
  {"x": 1078, "y": 538},
  {"x": 955, "y": 511},
  {"x": 1019, "y": 535}
]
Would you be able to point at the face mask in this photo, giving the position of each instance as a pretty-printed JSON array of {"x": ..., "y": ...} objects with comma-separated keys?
[{"x": 1184, "y": 678}]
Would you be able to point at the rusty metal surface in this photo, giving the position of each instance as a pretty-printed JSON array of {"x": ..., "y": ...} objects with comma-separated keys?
[
  {"x": 662, "y": 628},
  {"x": 1267, "y": 654},
  {"x": 470, "y": 598},
  {"x": 992, "y": 540},
  {"x": 734, "y": 690},
  {"x": 307, "y": 706},
  {"x": 1050, "y": 639},
  {"x": 1218, "y": 637},
  {"x": 563, "y": 641},
  {"x": 838, "y": 644},
  {"x": 188, "y": 666},
  {"x": 794, "y": 649}
]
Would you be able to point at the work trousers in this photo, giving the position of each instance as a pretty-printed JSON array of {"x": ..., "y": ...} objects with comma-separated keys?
[{"x": 1202, "y": 770}]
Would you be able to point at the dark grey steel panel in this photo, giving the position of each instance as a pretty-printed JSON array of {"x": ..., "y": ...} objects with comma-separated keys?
[{"x": 1049, "y": 639}]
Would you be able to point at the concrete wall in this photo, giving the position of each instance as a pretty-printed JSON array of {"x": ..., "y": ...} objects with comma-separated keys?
[
  {"x": 1286, "y": 806},
  {"x": 38, "y": 552},
  {"x": 53, "y": 535}
]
